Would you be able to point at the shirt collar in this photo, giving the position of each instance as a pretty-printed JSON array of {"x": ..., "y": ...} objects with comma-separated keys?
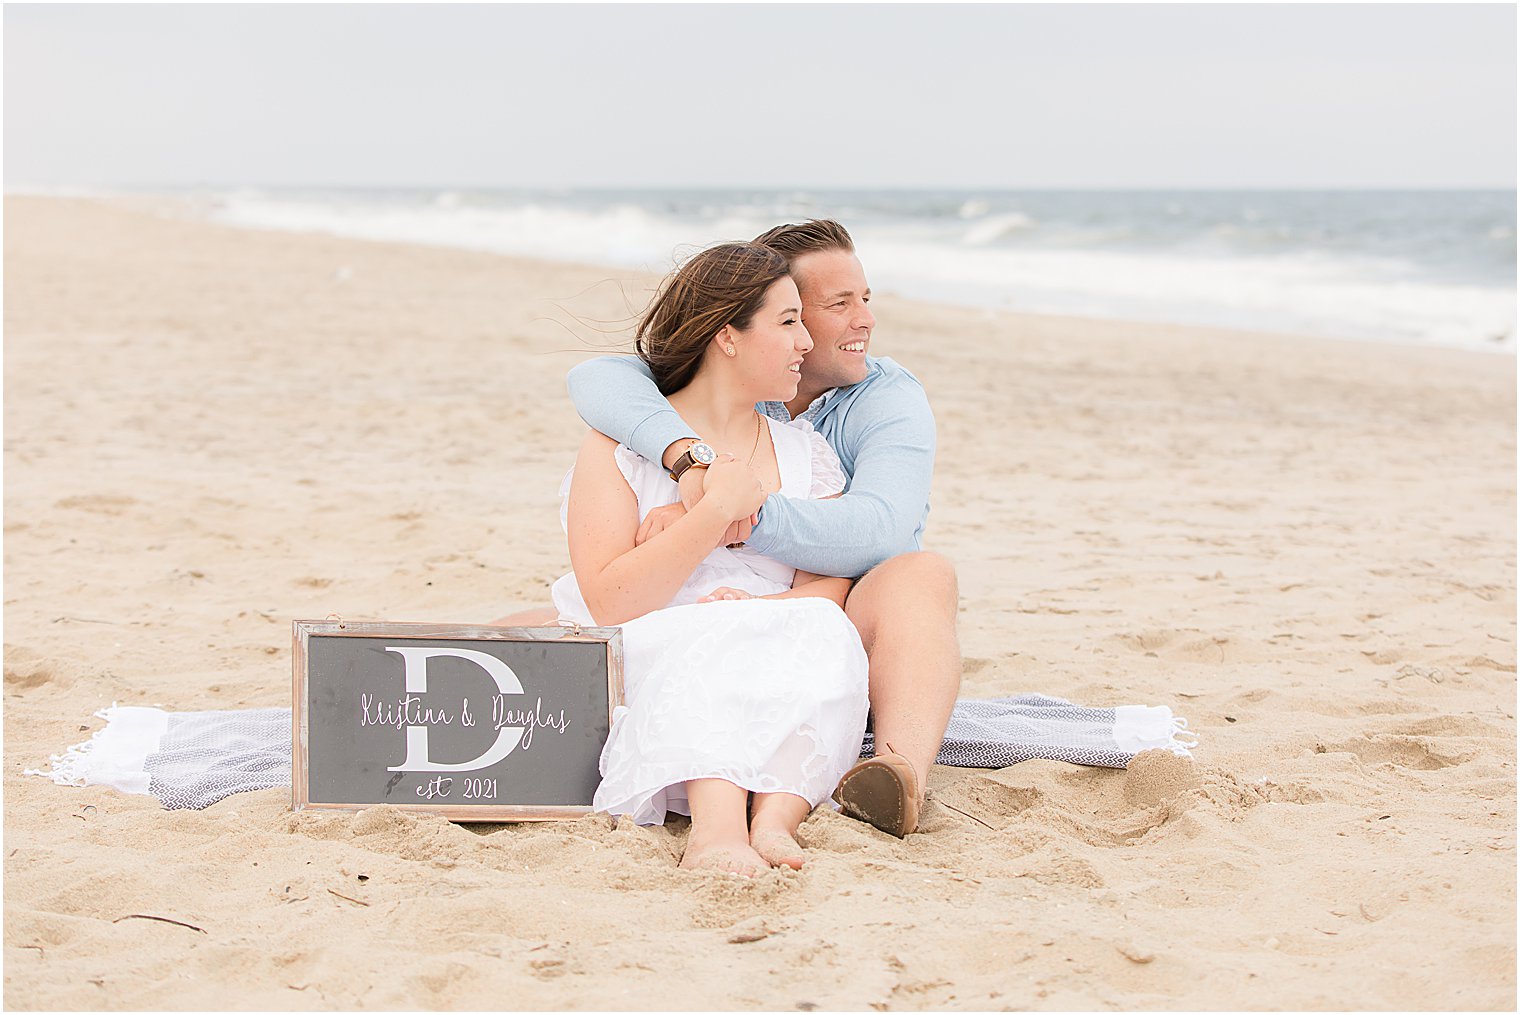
[{"x": 777, "y": 410}]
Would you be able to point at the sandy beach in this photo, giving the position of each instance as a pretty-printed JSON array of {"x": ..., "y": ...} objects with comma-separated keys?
[{"x": 1306, "y": 548}]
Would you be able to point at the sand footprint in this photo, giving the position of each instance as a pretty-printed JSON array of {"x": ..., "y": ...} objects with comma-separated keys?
[
  {"x": 1400, "y": 752},
  {"x": 988, "y": 800},
  {"x": 26, "y": 669}
]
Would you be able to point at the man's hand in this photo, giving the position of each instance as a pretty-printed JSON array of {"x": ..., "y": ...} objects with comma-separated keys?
[
  {"x": 739, "y": 531},
  {"x": 723, "y": 592}
]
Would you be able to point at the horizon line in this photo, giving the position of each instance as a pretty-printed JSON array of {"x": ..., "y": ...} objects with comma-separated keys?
[{"x": 44, "y": 189}]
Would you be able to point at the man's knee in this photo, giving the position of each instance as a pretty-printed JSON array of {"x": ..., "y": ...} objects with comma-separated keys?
[
  {"x": 910, "y": 585},
  {"x": 918, "y": 576}
]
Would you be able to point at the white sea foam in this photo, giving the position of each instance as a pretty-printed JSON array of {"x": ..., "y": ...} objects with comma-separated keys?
[
  {"x": 964, "y": 251},
  {"x": 624, "y": 235},
  {"x": 1305, "y": 293},
  {"x": 993, "y": 228}
]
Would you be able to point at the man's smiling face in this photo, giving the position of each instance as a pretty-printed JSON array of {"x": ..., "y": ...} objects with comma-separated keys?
[{"x": 835, "y": 311}]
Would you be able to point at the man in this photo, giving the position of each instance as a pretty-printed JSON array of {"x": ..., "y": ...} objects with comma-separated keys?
[{"x": 876, "y": 417}]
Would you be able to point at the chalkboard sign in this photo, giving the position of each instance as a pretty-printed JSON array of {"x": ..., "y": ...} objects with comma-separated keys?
[{"x": 474, "y": 723}]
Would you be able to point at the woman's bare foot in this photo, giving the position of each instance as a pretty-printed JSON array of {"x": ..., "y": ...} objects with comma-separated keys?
[
  {"x": 777, "y": 846},
  {"x": 726, "y": 857}
]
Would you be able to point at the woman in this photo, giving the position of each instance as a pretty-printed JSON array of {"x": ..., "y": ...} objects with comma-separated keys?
[{"x": 742, "y": 675}]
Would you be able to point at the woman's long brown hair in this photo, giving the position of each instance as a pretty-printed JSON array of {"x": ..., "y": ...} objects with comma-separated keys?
[{"x": 722, "y": 285}]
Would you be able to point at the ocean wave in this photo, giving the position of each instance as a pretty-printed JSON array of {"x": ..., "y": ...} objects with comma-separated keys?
[
  {"x": 997, "y": 227},
  {"x": 1308, "y": 292},
  {"x": 1231, "y": 263}
]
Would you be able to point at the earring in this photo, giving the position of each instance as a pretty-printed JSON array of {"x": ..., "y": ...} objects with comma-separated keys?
[{"x": 730, "y": 350}]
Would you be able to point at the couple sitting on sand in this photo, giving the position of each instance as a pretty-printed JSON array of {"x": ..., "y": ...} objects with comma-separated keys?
[{"x": 756, "y": 534}]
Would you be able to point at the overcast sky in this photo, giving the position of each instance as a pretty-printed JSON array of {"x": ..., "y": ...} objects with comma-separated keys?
[{"x": 763, "y": 96}]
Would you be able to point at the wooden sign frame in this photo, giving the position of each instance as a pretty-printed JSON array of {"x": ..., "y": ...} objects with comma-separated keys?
[{"x": 304, "y": 630}]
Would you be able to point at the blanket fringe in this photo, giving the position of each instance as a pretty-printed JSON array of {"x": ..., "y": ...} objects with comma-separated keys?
[
  {"x": 115, "y": 754},
  {"x": 1182, "y": 740}
]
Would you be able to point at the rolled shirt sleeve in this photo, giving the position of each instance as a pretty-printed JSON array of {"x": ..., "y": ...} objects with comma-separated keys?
[
  {"x": 887, "y": 439},
  {"x": 617, "y": 395}
]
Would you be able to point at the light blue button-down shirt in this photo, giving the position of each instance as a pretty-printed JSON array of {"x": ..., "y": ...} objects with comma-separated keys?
[{"x": 882, "y": 429}]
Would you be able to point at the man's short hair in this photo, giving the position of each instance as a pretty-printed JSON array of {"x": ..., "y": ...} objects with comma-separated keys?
[{"x": 812, "y": 236}]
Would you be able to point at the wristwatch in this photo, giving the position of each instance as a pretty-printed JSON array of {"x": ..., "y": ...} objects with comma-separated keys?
[{"x": 699, "y": 456}]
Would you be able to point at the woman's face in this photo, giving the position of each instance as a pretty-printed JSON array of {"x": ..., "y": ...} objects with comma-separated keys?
[{"x": 768, "y": 354}]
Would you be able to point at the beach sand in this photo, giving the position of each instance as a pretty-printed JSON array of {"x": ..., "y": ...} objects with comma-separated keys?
[{"x": 1307, "y": 548}]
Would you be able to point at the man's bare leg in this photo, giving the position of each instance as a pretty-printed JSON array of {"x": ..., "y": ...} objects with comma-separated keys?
[
  {"x": 905, "y": 610},
  {"x": 541, "y": 617}
]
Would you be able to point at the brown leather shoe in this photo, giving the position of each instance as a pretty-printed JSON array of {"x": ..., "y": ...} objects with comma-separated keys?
[{"x": 883, "y": 792}]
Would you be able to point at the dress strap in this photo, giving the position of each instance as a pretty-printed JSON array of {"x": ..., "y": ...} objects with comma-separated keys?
[{"x": 794, "y": 458}]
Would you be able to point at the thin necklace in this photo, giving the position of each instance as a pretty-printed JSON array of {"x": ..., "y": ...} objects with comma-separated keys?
[{"x": 757, "y": 441}]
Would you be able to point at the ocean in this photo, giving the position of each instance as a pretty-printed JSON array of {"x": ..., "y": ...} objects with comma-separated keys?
[{"x": 1425, "y": 267}]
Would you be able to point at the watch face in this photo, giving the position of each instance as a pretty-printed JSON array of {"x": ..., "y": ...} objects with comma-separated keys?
[{"x": 703, "y": 454}]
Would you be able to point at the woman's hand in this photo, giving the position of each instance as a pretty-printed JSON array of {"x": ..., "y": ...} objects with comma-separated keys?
[
  {"x": 692, "y": 489},
  {"x": 723, "y": 592},
  {"x": 661, "y": 518},
  {"x": 658, "y": 520},
  {"x": 734, "y": 488}
]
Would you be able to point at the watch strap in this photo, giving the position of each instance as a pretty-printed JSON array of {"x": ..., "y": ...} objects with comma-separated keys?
[{"x": 686, "y": 461}]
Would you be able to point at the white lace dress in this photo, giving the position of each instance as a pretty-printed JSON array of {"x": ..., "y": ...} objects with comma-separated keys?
[{"x": 769, "y": 695}]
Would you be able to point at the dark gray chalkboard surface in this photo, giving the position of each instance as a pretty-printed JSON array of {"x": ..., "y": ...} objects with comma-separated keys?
[{"x": 474, "y": 723}]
